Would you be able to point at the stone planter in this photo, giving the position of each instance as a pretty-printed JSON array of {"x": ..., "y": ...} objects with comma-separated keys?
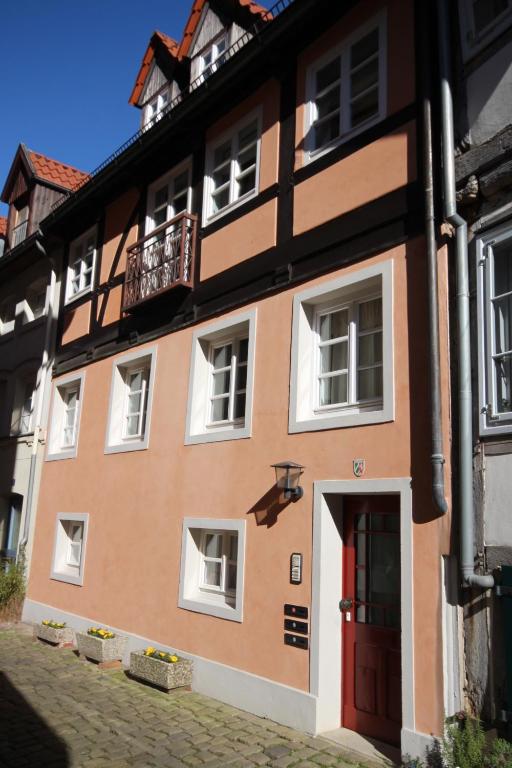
[
  {"x": 161, "y": 673},
  {"x": 108, "y": 653},
  {"x": 62, "y": 638}
]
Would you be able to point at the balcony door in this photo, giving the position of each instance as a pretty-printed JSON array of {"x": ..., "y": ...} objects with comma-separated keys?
[{"x": 168, "y": 197}]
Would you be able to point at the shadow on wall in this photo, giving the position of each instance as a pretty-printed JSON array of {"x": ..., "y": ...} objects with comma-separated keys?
[
  {"x": 267, "y": 509},
  {"x": 25, "y": 738}
]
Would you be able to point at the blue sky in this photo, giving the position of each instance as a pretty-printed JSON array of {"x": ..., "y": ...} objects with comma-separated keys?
[{"x": 69, "y": 67}]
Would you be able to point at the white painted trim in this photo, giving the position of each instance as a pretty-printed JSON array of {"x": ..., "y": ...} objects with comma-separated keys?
[
  {"x": 77, "y": 518},
  {"x": 71, "y": 297},
  {"x": 452, "y": 677},
  {"x": 416, "y": 744},
  {"x": 195, "y": 429},
  {"x": 190, "y": 597},
  {"x": 127, "y": 361},
  {"x": 326, "y": 636},
  {"x": 244, "y": 690},
  {"x": 302, "y": 417},
  {"x": 55, "y": 422},
  {"x": 184, "y": 165},
  {"x": 343, "y": 50}
]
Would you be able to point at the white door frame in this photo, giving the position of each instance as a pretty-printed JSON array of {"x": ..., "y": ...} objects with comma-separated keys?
[{"x": 325, "y": 657}]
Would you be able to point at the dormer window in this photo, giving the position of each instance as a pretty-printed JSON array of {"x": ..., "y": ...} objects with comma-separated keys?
[
  {"x": 154, "y": 109},
  {"x": 19, "y": 232},
  {"x": 213, "y": 56}
]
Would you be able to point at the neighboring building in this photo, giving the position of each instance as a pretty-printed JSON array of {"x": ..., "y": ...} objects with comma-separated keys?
[
  {"x": 483, "y": 73},
  {"x": 28, "y": 280},
  {"x": 245, "y": 283}
]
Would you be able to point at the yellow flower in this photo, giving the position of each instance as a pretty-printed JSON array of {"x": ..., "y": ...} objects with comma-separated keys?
[
  {"x": 46, "y": 622},
  {"x": 162, "y": 655},
  {"x": 149, "y": 650},
  {"x": 174, "y": 658}
]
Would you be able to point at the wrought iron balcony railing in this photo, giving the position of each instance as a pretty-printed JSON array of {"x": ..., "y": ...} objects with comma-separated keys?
[
  {"x": 161, "y": 261},
  {"x": 19, "y": 233}
]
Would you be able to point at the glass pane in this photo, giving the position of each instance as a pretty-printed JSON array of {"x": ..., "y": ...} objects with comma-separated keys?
[
  {"x": 364, "y": 78},
  {"x": 71, "y": 399},
  {"x": 334, "y": 357},
  {"x": 222, "y": 154},
  {"x": 181, "y": 182},
  {"x": 242, "y": 350},
  {"x": 376, "y": 521},
  {"x": 241, "y": 378},
  {"x": 384, "y": 585},
  {"x": 233, "y": 548},
  {"x": 361, "y": 549},
  {"x": 486, "y": 11},
  {"x": 247, "y": 183},
  {"x": 361, "y": 614},
  {"x": 364, "y": 108},
  {"x": 360, "y": 585},
  {"x": 221, "y": 176},
  {"x": 135, "y": 381},
  {"x": 333, "y": 390},
  {"x": 220, "y": 200},
  {"x": 212, "y": 574},
  {"x": 376, "y": 615},
  {"x": 247, "y": 158},
  {"x": 132, "y": 425},
  {"x": 334, "y": 325},
  {"x": 134, "y": 403},
  {"x": 360, "y": 522},
  {"x": 179, "y": 203},
  {"x": 327, "y": 131},
  {"x": 503, "y": 324},
  {"x": 392, "y": 618},
  {"x": 70, "y": 417},
  {"x": 161, "y": 197},
  {"x": 221, "y": 382},
  {"x": 248, "y": 135},
  {"x": 160, "y": 217},
  {"x": 231, "y": 582},
  {"x": 503, "y": 369},
  {"x": 364, "y": 48},
  {"x": 220, "y": 409},
  {"x": 239, "y": 406},
  {"x": 369, "y": 384},
  {"x": 328, "y": 74},
  {"x": 213, "y": 545},
  {"x": 392, "y": 523},
  {"x": 370, "y": 315},
  {"x": 328, "y": 102},
  {"x": 370, "y": 349},
  {"x": 222, "y": 356}
]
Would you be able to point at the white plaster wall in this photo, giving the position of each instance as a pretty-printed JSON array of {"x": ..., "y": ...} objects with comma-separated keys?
[
  {"x": 498, "y": 500},
  {"x": 489, "y": 96}
]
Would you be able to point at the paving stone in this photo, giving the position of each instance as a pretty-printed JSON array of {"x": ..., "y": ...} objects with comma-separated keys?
[{"x": 277, "y": 750}]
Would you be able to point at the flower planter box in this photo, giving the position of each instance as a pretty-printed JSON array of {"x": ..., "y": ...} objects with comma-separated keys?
[
  {"x": 62, "y": 638},
  {"x": 108, "y": 653},
  {"x": 161, "y": 673}
]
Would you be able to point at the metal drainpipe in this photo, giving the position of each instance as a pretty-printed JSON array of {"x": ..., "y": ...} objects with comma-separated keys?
[
  {"x": 437, "y": 457},
  {"x": 45, "y": 364},
  {"x": 467, "y": 531}
]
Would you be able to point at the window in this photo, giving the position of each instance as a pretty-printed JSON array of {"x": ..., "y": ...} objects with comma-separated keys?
[
  {"x": 212, "y": 567},
  {"x": 82, "y": 255},
  {"x": 342, "y": 352},
  {"x": 22, "y": 417},
  {"x": 19, "y": 232},
  {"x": 69, "y": 548},
  {"x": 221, "y": 381},
  {"x": 10, "y": 522},
  {"x": 169, "y": 196},
  {"x": 346, "y": 88},
  {"x": 494, "y": 264},
  {"x": 233, "y": 164},
  {"x": 130, "y": 402},
  {"x": 35, "y": 302},
  {"x": 482, "y": 21},
  {"x": 7, "y": 315},
  {"x": 65, "y": 419},
  {"x": 154, "y": 109},
  {"x": 213, "y": 56}
]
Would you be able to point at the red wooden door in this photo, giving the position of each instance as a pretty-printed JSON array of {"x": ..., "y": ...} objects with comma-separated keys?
[{"x": 371, "y": 696}]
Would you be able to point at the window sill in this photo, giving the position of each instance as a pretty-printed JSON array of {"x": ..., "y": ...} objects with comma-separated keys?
[
  {"x": 76, "y": 296},
  {"x": 339, "y": 419},
  {"x": 216, "y": 435},
  {"x": 231, "y": 207},
  {"x": 77, "y": 581},
  {"x": 219, "y": 608},
  {"x": 65, "y": 453},
  {"x": 310, "y": 155},
  {"x": 136, "y": 445}
]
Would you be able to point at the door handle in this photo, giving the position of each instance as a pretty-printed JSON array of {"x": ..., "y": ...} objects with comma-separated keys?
[{"x": 346, "y": 604}]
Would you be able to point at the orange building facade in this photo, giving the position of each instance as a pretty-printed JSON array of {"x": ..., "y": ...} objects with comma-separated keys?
[{"x": 246, "y": 285}]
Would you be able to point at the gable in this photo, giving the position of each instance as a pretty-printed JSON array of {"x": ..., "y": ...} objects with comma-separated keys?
[
  {"x": 155, "y": 81},
  {"x": 209, "y": 27},
  {"x": 19, "y": 187}
]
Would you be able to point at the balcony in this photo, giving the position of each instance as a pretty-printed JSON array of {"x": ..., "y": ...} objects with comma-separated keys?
[
  {"x": 161, "y": 261},
  {"x": 19, "y": 233}
]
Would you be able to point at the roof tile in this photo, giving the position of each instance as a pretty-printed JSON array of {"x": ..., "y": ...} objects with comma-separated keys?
[
  {"x": 3, "y": 226},
  {"x": 56, "y": 172},
  {"x": 171, "y": 46}
]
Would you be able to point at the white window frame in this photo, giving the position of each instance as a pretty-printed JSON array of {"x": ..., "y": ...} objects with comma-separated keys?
[
  {"x": 491, "y": 423},
  {"x": 36, "y": 288},
  {"x": 7, "y": 326},
  {"x": 23, "y": 381},
  {"x": 342, "y": 51},
  {"x": 116, "y": 439},
  {"x": 358, "y": 286},
  {"x": 473, "y": 41},
  {"x": 167, "y": 179},
  {"x": 75, "y": 244},
  {"x": 161, "y": 104},
  {"x": 193, "y": 596},
  {"x": 231, "y": 135},
  {"x": 199, "y": 427},
  {"x": 213, "y": 48},
  {"x": 55, "y": 448},
  {"x": 61, "y": 568}
]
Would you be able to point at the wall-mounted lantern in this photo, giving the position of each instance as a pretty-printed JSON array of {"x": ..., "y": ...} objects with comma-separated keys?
[{"x": 287, "y": 477}]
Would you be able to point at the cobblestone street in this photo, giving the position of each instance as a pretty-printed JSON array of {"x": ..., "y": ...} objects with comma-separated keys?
[{"x": 57, "y": 711}]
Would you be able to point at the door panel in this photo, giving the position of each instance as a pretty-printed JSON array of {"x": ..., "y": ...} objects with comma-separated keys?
[{"x": 371, "y": 624}]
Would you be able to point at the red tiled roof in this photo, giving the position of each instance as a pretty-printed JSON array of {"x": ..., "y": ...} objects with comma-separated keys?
[
  {"x": 172, "y": 48},
  {"x": 195, "y": 15},
  {"x": 3, "y": 226},
  {"x": 55, "y": 172}
]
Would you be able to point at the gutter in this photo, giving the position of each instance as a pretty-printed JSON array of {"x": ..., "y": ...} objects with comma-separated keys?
[{"x": 467, "y": 530}]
